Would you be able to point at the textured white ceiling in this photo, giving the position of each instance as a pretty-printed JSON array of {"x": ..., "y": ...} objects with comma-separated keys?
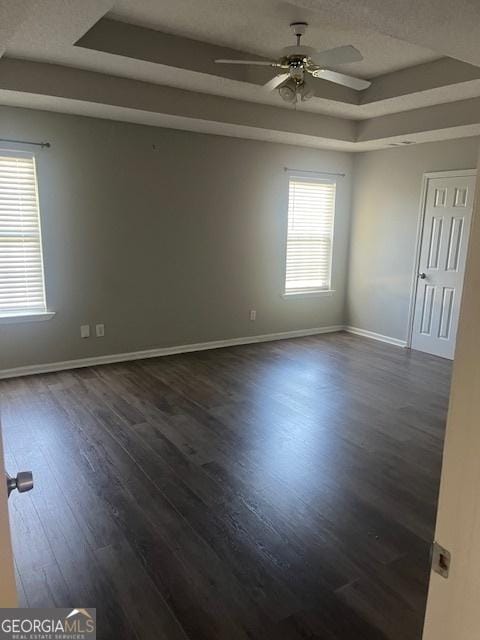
[
  {"x": 11, "y": 17},
  {"x": 37, "y": 31},
  {"x": 48, "y": 27},
  {"x": 448, "y": 26},
  {"x": 262, "y": 27}
]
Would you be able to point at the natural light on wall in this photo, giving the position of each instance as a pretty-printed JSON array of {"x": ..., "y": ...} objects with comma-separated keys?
[
  {"x": 22, "y": 289},
  {"x": 311, "y": 212}
]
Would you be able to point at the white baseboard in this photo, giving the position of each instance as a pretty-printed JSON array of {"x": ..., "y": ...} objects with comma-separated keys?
[
  {"x": 161, "y": 351},
  {"x": 376, "y": 336}
]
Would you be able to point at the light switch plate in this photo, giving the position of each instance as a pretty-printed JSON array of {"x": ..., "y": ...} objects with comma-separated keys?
[
  {"x": 85, "y": 331},
  {"x": 100, "y": 330}
]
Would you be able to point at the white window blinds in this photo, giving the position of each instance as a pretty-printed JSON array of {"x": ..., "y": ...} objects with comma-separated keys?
[
  {"x": 22, "y": 287},
  {"x": 311, "y": 211}
]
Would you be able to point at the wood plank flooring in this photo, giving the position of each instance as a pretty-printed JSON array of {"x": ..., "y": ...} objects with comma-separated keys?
[{"x": 277, "y": 490}]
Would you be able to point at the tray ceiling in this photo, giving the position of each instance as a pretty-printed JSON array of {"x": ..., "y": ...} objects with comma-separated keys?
[{"x": 152, "y": 62}]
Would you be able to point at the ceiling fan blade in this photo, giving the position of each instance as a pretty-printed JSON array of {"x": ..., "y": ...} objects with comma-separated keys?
[
  {"x": 262, "y": 63},
  {"x": 272, "y": 84},
  {"x": 339, "y": 55},
  {"x": 340, "y": 78}
]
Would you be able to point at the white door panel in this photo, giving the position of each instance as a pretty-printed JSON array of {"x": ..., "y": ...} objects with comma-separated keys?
[
  {"x": 453, "y": 610},
  {"x": 447, "y": 217}
]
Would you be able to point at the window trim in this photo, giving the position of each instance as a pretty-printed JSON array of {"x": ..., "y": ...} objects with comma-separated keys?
[
  {"x": 316, "y": 293},
  {"x": 313, "y": 176},
  {"x": 26, "y": 315},
  {"x": 18, "y": 318}
]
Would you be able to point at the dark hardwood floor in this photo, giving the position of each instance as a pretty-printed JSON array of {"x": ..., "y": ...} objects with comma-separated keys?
[{"x": 283, "y": 490}]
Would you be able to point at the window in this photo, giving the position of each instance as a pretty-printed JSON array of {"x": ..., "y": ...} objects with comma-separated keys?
[
  {"x": 22, "y": 289},
  {"x": 311, "y": 209}
]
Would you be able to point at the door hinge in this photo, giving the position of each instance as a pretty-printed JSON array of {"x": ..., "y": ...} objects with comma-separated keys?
[{"x": 441, "y": 559}]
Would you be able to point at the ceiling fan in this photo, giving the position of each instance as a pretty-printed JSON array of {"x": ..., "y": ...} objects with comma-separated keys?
[{"x": 298, "y": 61}]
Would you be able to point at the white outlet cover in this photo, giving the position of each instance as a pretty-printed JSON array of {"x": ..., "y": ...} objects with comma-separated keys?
[
  {"x": 85, "y": 331},
  {"x": 99, "y": 330}
]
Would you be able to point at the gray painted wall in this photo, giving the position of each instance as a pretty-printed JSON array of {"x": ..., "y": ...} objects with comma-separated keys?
[
  {"x": 166, "y": 246},
  {"x": 386, "y": 200}
]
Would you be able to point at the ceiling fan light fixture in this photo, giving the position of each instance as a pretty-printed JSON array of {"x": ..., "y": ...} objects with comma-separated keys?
[
  {"x": 306, "y": 91},
  {"x": 288, "y": 90},
  {"x": 292, "y": 90}
]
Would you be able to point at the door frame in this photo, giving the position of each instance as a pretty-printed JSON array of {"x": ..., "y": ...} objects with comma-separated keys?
[{"x": 429, "y": 175}]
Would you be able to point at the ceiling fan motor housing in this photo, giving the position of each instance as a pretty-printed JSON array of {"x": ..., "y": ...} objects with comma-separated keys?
[{"x": 296, "y": 70}]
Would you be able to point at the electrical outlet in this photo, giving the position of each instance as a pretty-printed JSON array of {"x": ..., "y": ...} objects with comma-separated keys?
[
  {"x": 253, "y": 314},
  {"x": 85, "y": 331},
  {"x": 99, "y": 330}
]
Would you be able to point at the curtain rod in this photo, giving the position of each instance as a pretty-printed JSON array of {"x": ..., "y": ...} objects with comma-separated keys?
[
  {"x": 43, "y": 145},
  {"x": 321, "y": 173}
]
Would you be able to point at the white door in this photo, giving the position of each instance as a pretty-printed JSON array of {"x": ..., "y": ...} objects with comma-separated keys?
[
  {"x": 453, "y": 609},
  {"x": 446, "y": 227},
  {"x": 8, "y": 589}
]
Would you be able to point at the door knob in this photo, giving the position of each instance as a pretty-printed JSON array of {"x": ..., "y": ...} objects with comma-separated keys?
[
  {"x": 23, "y": 482},
  {"x": 422, "y": 276}
]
